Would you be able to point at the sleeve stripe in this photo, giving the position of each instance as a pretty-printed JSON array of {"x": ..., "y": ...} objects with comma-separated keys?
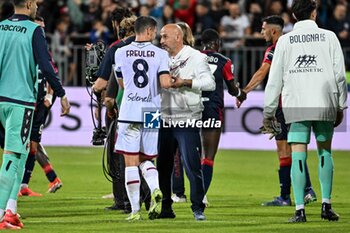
[
  {"x": 163, "y": 72},
  {"x": 119, "y": 74}
]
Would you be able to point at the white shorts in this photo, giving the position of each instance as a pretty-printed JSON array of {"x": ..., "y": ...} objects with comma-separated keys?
[{"x": 133, "y": 139}]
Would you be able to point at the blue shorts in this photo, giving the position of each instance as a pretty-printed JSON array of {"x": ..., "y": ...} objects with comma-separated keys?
[
  {"x": 284, "y": 127},
  {"x": 212, "y": 111},
  {"x": 39, "y": 120}
]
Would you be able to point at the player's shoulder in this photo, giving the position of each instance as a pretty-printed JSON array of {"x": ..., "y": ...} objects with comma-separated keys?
[
  {"x": 156, "y": 48},
  {"x": 271, "y": 48},
  {"x": 328, "y": 33},
  {"x": 31, "y": 23},
  {"x": 221, "y": 56},
  {"x": 159, "y": 51},
  {"x": 284, "y": 38},
  {"x": 218, "y": 56},
  {"x": 121, "y": 46},
  {"x": 114, "y": 43},
  {"x": 195, "y": 54}
]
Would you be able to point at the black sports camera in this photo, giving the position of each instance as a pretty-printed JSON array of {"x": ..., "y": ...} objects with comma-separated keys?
[
  {"x": 94, "y": 57},
  {"x": 98, "y": 136}
]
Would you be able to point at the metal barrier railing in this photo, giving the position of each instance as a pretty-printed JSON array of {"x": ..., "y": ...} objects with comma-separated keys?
[{"x": 246, "y": 61}]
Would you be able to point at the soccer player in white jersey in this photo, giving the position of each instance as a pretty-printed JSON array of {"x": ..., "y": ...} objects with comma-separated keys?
[{"x": 140, "y": 68}]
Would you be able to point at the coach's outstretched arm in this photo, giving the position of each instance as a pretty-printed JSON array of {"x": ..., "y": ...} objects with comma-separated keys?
[{"x": 42, "y": 58}]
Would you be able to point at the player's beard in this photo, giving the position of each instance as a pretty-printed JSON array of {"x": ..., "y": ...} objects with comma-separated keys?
[{"x": 32, "y": 15}]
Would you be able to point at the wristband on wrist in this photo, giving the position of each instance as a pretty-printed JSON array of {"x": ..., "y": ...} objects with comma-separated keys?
[{"x": 239, "y": 92}]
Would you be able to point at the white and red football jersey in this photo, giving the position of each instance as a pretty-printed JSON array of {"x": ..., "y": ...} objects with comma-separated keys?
[{"x": 140, "y": 64}]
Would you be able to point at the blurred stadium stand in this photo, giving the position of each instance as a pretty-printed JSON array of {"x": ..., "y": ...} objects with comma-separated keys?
[{"x": 70, "y": 24}]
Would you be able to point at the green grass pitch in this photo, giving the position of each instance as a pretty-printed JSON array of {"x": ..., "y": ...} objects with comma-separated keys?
[{"x": 242, "y": 180}]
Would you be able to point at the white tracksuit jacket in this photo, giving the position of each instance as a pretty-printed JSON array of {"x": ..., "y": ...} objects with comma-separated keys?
[
  {"x": 308, "y": 71},
  {"x": 186, "y": 103}
]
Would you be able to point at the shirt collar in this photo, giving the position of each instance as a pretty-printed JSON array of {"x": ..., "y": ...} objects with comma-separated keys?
[
  {"x": 17, "y": 17},
  {"x": 305, "y": 24},
  {"x": 180, "y": 53}
]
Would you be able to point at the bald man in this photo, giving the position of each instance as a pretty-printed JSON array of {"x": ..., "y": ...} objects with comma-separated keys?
[{"x": 191, "y": 73}]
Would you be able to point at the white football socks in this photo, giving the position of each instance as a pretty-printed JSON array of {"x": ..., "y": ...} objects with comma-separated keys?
[
  {"x": 132, "y": 185},
  {"x": 150, "y": 173},
  {"x": 12, "y": 205}
]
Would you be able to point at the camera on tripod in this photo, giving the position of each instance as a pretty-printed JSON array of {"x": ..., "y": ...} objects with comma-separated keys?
[{"x": 98, "y": 136}]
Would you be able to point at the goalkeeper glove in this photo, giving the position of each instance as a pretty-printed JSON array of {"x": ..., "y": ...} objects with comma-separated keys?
[{"x": 271, "y": 126}]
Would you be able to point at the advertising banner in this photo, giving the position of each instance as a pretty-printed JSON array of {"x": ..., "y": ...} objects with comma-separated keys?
[{"x": 240, "y": 126}]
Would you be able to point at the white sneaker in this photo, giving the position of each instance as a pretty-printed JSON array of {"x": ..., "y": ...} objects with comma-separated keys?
[
  {"x": 108, "y": 196},
  {"x": 178, "y": 199},
  {"x": 205, "y": 201}
]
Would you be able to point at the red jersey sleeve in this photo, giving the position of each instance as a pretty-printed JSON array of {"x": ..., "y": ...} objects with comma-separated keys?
[
  {"x": 269, "y": 54},
  {"x": 227, "y": 71}
]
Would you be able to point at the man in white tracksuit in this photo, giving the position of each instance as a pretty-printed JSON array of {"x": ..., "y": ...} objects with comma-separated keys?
[
  {"x": 308, "y": 71},
  {"x": 192, "y": 75}
]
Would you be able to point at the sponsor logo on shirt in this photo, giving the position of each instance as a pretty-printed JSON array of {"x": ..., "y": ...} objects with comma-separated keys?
[
  {"x": 13, "y": 28},
  {"x": 306, "y": 64}
]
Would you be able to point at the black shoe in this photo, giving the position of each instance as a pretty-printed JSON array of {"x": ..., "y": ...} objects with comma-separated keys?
[
  {"x": 167, "y": 213},
  {"x": 114, "y": 207},
  {"x": 299, "y": 216},
  {"x": 328, "y": 214},
  {"x": 147, "y": 202},
  {"x": 127, "y": 209}
]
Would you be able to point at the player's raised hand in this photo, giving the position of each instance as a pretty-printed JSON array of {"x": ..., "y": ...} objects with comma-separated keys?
[
  {"x": 177, "y": 82},
  {"x": 48, "y": 100},
  {"x": 112, "y": 114},
  {"x": 65, "y": 106},
  {"x": 271, "y": 126},
  {"x": 242, "y": 96},
  {"x": 88, "y": 46},
  {"x": 238, "y": 103}
]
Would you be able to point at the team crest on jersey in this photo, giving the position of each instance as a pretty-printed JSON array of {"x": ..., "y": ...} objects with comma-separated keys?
[{"x": 176, "y": 66}]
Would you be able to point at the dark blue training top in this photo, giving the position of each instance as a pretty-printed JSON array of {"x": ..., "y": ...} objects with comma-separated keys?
[
  {"x": 222, "y": 67},
  {"x": 105, "y": 68}
]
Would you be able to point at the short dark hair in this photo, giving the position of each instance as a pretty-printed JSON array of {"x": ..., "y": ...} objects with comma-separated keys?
[
  {"x": 302, "y": 9},
  {"x": 274, "y": 20},
  {"x": 120, "y": 13},
  {"x": 210, "y": 36},
  {"x": 19, "y": 2},
  {"x": 7, "y": 9},
  {"x": 144, "y": 22},
  {"x": 39, "y": 18}
]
